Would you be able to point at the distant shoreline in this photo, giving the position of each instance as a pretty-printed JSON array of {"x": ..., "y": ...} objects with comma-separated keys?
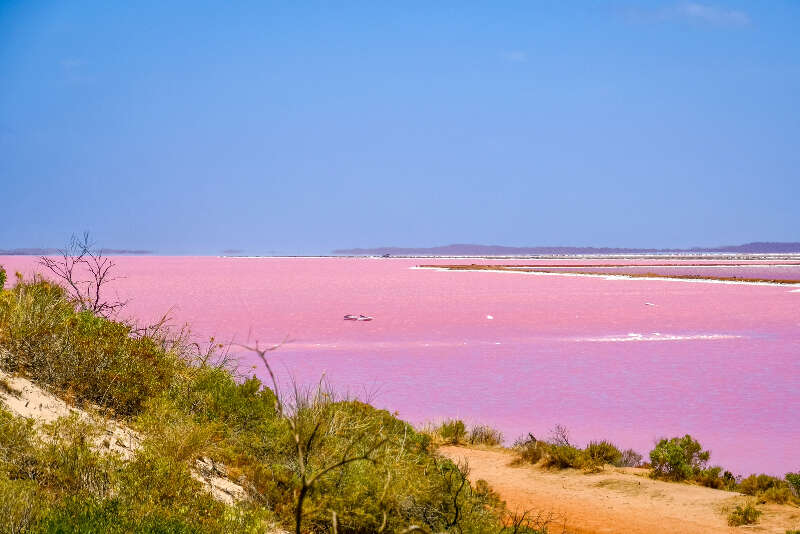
[
  {"x": 469, "y": 249},
  {"x": 646, "y": 276}
]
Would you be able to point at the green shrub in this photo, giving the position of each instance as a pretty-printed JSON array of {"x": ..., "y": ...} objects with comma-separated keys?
[
  {"x": 212, "y": 395},
  {"x": 563, "y": 457},
  {"x": 782, "y": 495},
  {"x": 529, "y": 449},
  {"x": 713, "y": 477},
  {"x": 32, "y": 332},
  {"x": 61, "y": 458},
  {"x": 452, "y": 431},
  {"x": 83, "y": 515},
  {"x": 599, "y": 453},
  {"x": 20, "y": 505},
  {"x": 484, "y": 435},
  {"x": 2, "y": 277},
  {"x": 80, "y": 355},
  {"x": 755, "y": 484},
  {"x": 68, "y": 460},
  {"x": 154, "y": 482},
  {"x": 767, "y": 488},
  {"x": 744, "y": 515},
  {"x": 678, "y": 458},
  {"x": 18, "y": 446}
]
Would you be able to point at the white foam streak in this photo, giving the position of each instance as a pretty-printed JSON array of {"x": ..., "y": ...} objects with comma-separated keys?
[{"x": 655, "y": 336}]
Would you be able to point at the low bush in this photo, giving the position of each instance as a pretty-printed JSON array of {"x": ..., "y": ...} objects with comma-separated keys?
[
  {"x": 18, "y": 459},
  {"x": 2, "y": 277},
  {"x": 81, "y": 515},
  {"x": 20, "y": 505},
  {"x": 484, "y": 435},
  {"x": 599, "y": 453},
  {"x": 678, "y": 458},
  {"x": 529, "y": 449},
  {"x": 766, "y": 488},
  {"x": 781, "y": 495},
  {"x": 86, "y": 515},
  {"x": 77, "y": 354},
  {"x": 559, "y": 454},
  {"x": 563, "y": 457},
  {"x": 744, "y": 515},
  {"x": 68, "y": 461},
  {"x": 452, "y": 431},
  {"x": 755, "y": 484},
  {"x": 713, "y": 477}
]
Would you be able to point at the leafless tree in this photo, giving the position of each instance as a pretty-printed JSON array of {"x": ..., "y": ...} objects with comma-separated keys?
[
  {"x": 85, "y": 272},
  {"x": 306, "y": 436},
  {"x": 560, "y": 436}
]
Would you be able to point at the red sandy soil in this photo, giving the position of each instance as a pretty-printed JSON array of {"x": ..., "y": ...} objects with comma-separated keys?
[{"x": 616, "y": 500}]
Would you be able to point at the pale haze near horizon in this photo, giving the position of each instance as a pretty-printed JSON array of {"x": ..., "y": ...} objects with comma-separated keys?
[{"x": 299, "y": 129}]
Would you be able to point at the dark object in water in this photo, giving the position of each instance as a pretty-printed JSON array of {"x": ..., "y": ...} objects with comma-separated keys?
[{"x": 357, "y": 318}]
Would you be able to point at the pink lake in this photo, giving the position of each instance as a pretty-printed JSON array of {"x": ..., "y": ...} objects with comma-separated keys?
[{"x": 629, "y": 360}]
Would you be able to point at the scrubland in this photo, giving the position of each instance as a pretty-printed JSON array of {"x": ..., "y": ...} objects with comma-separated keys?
[{"x": 304, "y": 460}]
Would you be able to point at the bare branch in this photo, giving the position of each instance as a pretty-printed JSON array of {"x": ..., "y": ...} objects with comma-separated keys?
[
  {"x": 85, "y": 272},
  {"x": 560, "y": 436},
  {"x": 308, "y": 436}
]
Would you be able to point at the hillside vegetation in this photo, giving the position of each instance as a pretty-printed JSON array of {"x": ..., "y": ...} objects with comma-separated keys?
[
  {"x": 305, "y": 462},
  {"x": 310, "y": 462}
]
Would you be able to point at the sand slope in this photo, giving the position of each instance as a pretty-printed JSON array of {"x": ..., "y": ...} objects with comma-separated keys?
[
  {"x": 23, "y": 398},
  {"x": 615, "y": 500}
]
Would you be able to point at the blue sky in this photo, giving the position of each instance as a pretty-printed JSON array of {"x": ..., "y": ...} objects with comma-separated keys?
[{"x": 301, "y": 127}]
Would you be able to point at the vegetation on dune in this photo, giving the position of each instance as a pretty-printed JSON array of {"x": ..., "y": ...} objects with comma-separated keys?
[
  {"x": 451, "y": 432},
  {"x": 80, "y": 355},
  {"x": 484, "y": 435},
  {"x": 766, "y": 488},
  {"x": 678, "y": 458},
  {"x": 683, "y": 459},
  {"x": 309, "y": 462},
  {"x": 456, "y": 432},
  {"x": 559, "y": 453},
  {"x": 746, "y": 514}
]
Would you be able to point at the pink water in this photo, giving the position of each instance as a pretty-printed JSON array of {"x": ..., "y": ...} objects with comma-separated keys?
[{"x": 626, "y": 360}]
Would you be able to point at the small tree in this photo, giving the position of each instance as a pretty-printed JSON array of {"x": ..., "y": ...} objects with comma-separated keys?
[
  {"x": 560, "y": 436},
  {"x": 85, "y": 272},
  {"x": 678, "y": 458},
  {"x": 306, "y": 420}
]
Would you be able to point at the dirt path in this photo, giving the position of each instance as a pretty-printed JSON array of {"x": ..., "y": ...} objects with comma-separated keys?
[{"x": 618, "y": 500}]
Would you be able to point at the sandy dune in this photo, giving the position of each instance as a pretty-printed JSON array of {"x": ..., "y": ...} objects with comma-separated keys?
[
  {"x": 615, "y": 500},
  {"x": 23, "y": 398}
]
